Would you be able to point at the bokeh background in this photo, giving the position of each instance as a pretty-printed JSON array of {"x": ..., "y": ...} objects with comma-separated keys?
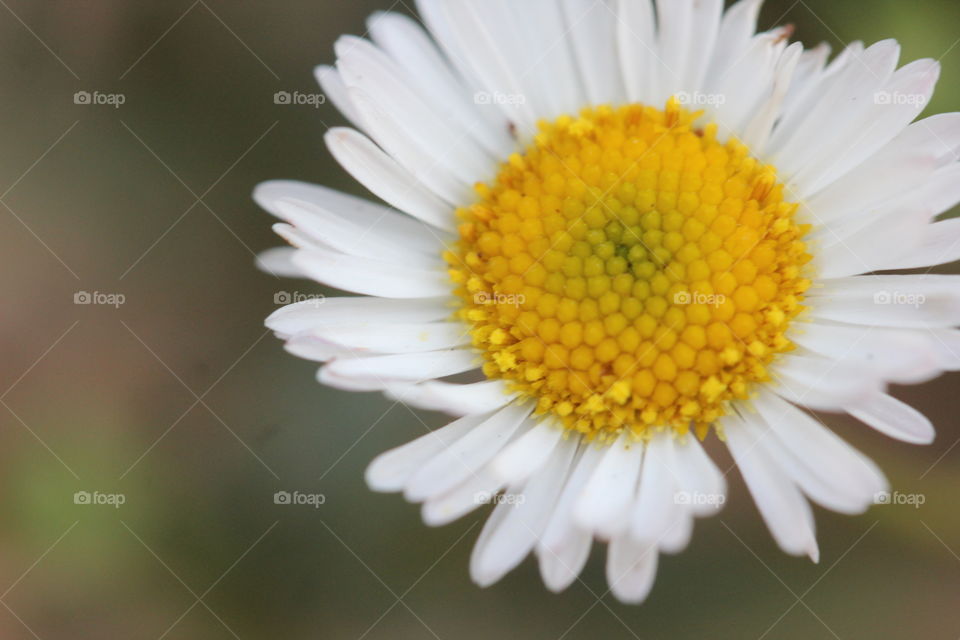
[{"x": 179, "y": 401}]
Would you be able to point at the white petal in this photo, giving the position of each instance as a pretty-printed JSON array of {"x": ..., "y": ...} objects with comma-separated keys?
[
  {"x": 408, "y": 44},
  {"x": 604, "y": 504},
  {"x": 829, "y": 470},
  {"x": 549, "y": 67},
  {"x": 704, "y": 28},
  {"x": 938, "y": 135},
  {"x": 822, "y": 383},
  {"x": 783, "y": 508},
  {"x": 939, "y": 244},
  {"x": 564, "y": 547},
  {"x": 883, "y": 121},
  {"x": 365, "y": 67},
  {"x": 380, "y": 337},
  {"x": 466, "y": 456},
  {"x": 496, "y": 518},
  {"x": 310, "y": 348},
  {"x": 825, "y": 132},
  {"x": 592, "y": 26},
  {"x": 917, "y": 302},
  {"x": 757, "y": 132},
  {"x": 864, "y": 246},
  {"x": 894, "y": 418},
  {"x": 372, "y": 277},
  {"x": 299, "y": 239},
  {"x": 320, "y": 312},
  {"x": 376, "y": 372},
  {"x": 278, "y": 261},
  {"x": 419, "y": 160},
  {"x": 413, "y": 233},
  {"x": 333, "y": 88},
  {"x": 947, "y": 345},
  {"x": 674, "y": 31},
  {"x": 391, "y": 470},
  {"x": 699, "y": 476},
  {"x": 814, "y": 485},
  {"x": 903, "y": 356},
  {"x": 941, "y": 192},
  {"x": 817, "y": 484},
  {"x": 655, "y": 509},
  {"x": 905, "y": 163},
  {"x": 631, "y": 569},
  {"x": 868, "y": 188},
  {"x": 511, "y": 538},
  {"x": 748, "y": 82},
  {"x": 637, "y": 49},
  {"x": 384, "y": 177},
  {"x": 475, "y": 491},
  {"x": 489, "y": 47},
  {"x": 361, "y": 240},
  {"x": 678, "y": 533},
  {"x": 675, "y": 528},
  {"x": 455, "y": 399},
  {"x": 435, "y": 17},
  {"x": 809, "y": 74},
  {"x": 523, "y": 458},
  {"x": 737, "y": 27},
  {"x": 808, "y": 93}
]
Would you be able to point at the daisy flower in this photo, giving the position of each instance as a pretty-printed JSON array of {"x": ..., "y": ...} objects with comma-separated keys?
[{"x": 613, "y": 231}]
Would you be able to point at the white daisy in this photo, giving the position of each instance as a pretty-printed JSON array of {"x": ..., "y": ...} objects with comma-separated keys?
[{"x": 636, "y": 227}]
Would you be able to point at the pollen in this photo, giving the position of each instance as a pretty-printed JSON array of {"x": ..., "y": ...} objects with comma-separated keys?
[{"x": 629, "y": 270}]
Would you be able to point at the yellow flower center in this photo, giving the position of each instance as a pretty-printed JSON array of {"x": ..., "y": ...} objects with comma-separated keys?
[{"x": 630, "y": 270}]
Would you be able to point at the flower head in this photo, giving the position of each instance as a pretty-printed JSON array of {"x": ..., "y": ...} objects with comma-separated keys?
[{"x": 639, "y": 226}]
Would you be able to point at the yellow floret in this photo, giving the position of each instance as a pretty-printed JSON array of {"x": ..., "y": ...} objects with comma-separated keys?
[{"x": 629, "y": 270}]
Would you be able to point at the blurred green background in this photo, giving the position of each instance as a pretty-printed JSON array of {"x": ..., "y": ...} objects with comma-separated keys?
[{"x": 180, "y": 401}]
